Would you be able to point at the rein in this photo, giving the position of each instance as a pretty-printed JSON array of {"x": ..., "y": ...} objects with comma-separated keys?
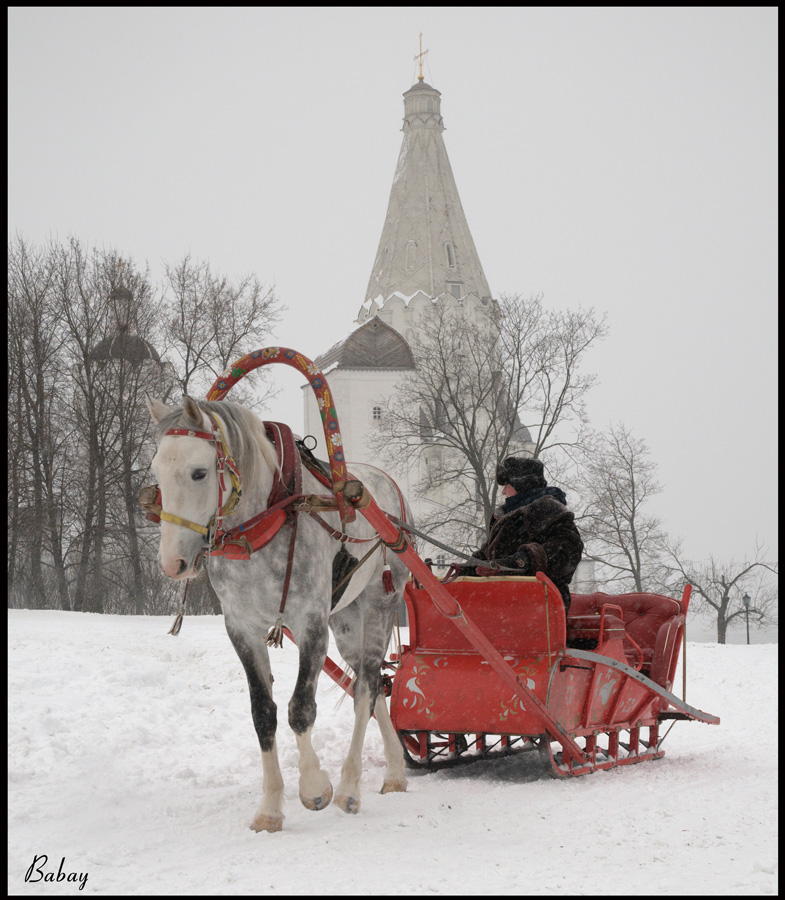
[{"x": 470, "y": 560}]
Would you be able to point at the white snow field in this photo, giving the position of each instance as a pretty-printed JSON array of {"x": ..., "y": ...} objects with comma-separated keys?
[{"x": 133, "y": 764}]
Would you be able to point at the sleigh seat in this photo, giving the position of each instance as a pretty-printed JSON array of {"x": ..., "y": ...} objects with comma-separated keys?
[{"x": 654, "y": 624}]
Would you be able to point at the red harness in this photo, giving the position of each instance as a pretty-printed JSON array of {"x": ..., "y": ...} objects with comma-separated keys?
[
  {"x": 240, "y": 542},
  {"x": 257, "y": 532}
]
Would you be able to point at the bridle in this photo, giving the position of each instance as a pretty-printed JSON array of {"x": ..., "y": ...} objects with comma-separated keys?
[{"x": 226, "y": 468}]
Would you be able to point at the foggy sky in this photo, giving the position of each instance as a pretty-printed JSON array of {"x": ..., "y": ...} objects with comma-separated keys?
[{"x": 621, "y": 159}]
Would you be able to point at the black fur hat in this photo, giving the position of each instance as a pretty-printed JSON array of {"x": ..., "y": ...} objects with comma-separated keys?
[{"x": 523, "y": 473}]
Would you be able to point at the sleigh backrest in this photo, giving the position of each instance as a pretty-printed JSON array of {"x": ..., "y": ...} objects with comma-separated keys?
[
  {"x": 519, "y": 615},
  {"x": 653, "y": 621}
]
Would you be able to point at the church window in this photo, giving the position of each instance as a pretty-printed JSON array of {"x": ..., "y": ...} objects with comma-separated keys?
[
  {"x": 441, "y": 561},
  {"x": 450, "y": 251},
  {"x": 455, "y": 290},
  {"x": 376, "y": 414},
  {"x": 411, "y": 253}
]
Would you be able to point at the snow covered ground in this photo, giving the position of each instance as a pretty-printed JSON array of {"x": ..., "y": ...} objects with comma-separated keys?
[{"x": 132, "y": 756}]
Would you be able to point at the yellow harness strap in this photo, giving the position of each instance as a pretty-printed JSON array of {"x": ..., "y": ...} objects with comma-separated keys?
[{"x": 176, "y": 520}]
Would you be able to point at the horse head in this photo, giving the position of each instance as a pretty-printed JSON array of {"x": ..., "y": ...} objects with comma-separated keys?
[
  {"x": 202, "y": 449},
  {"x": 185, "y": 467}
]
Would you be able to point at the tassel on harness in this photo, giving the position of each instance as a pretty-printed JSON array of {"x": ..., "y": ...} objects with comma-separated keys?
[
  {"x": 275, "y": 635},
  {"x": 387, "y": 580},
  {"x": 178, "y": 621}
]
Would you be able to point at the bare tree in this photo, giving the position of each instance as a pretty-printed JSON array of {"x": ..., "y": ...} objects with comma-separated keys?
[
  {"x": 35, "y": 344},
  {"x": 477, "y": 380},
  {"x": 616, "y": 480},
  {"x": 212, "y": 322},
  {"x": 83, "y": 329},
  {"x": 540, "y": 353},
  {"x": 108, "y": 309},
  {"x": 719, "y": 589}
]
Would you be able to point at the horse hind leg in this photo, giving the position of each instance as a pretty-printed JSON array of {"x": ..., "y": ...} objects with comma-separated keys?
[
  {"x": 394, "y": 779},
  {"x": 362, "y": 635},
  {"x": 348, "y": 794},
  {"x": 269, "y": 815},
  {"x": 316, "y": 791}
]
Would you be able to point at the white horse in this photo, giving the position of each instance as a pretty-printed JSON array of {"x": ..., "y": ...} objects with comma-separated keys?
[{"x": 192, "y": 490}]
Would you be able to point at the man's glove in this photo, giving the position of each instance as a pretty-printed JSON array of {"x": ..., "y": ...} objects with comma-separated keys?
[
  {"x": 485, "y": 571},
  {"x": 517, "y": 562}
]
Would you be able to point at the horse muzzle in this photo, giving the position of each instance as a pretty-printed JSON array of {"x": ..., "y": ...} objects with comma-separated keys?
[{"x": 177, "y": 567}]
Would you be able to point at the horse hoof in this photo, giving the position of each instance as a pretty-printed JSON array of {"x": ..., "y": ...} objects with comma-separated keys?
[
  {"x": 320, "y": 802},
  {"x": 348, "y": 804},
  {"x": 394, "y": 784},
  {"x": 267, "y": 823}
]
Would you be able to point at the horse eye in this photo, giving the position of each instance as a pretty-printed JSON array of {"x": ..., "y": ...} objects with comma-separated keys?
[{"x": 199, "y": 474}]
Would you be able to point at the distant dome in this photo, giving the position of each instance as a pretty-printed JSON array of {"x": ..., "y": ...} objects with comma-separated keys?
[
  {"x": 374, "y": 345},
  {"x": 125, "y": 346}
]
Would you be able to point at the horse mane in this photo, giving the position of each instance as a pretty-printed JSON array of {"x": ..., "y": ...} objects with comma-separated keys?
[{"x": 245, "y": 436}]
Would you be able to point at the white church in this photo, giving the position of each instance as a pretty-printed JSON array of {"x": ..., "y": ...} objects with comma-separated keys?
[{"x": 426, "y": 256}]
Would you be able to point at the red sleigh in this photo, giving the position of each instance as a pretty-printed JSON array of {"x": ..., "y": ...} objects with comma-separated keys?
[{"x": 492, "y": 666}]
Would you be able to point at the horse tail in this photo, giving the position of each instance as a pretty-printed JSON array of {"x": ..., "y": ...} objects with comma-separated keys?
[{"x": 346, "y": 683}]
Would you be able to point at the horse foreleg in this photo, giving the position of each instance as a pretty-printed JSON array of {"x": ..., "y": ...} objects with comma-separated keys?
[
  {"x": 394, "y": 779},
  {"x": 316, "y": 791},
  {"x": 269, "y": 816}
]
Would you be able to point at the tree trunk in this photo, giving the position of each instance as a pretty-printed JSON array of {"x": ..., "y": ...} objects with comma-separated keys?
[
  {"x": 55, "y": 542},
  {"x": 96, "y": 593},
  {"x": 131, "y": 509},
  {"x": 37, "y": 543},
  {"x": 83, "y": 569}
]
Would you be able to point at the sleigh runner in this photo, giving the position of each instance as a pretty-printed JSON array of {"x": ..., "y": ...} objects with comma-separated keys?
[{"x": 491, "y": 665}]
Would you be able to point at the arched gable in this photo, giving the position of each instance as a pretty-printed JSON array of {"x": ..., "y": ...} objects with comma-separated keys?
[{"x": 374, "y": 345}]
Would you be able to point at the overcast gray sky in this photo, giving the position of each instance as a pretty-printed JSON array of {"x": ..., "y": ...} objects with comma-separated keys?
[{"x": 624, "y": 159}]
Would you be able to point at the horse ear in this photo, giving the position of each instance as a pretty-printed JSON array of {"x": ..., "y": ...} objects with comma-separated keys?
[
  {"x": 192, "y": 409},
  {"x": 157, "y": 409}
]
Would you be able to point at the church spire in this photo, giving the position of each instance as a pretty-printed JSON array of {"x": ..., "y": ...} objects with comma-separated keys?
[{"x": 426, "y": 244}]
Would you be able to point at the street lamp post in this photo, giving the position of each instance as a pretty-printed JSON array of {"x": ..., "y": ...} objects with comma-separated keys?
[{"x": 746, "y": 600}]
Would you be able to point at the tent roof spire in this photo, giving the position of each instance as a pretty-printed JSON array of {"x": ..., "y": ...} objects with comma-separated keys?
[{"x": 426, "y": 245}]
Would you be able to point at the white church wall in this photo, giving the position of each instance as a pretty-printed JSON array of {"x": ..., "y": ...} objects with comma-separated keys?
[{"x": 356, "y": 393}]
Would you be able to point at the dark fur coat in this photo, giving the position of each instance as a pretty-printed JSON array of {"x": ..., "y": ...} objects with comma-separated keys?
[{"x": 535, "y": 535}]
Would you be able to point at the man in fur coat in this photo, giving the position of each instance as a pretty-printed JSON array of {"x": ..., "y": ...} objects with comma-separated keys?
[{"x": 532, "y": 531}]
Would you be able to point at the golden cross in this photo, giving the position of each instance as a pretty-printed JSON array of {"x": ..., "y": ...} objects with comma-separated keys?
[{"x": 420, "y": 56}]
